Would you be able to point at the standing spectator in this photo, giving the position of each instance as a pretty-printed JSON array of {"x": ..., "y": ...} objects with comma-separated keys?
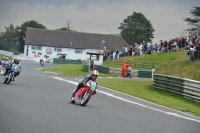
[
  {"x": 152, "y": 47},
  {"x": 186, "y": 40},
  {"x": 130, "y": 51},
  {"x": 191, "y": 50},
  {"x": 117, "y": 53},
  {"x": 126, "y": 51},
  {"x": 183, "y": 42},
  {"x": 174, "y": 47},
  {"x": 123, "y": 51}
]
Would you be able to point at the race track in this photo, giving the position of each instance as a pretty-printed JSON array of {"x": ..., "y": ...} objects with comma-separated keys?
[{"x": 39, "y": 102}]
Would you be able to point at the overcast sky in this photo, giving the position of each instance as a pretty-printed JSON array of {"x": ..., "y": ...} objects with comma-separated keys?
[{"x": 99, "y": 16}]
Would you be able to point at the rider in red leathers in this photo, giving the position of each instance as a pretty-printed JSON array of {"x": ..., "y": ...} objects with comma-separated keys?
[{"x": 93, "y": 76}]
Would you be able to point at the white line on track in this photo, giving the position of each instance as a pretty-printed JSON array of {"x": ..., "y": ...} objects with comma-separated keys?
[{"x": 128, "y": 101}]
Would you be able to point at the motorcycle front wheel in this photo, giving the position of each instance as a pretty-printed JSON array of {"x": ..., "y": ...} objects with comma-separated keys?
[
  {"x": 72, "y": 100},
  {"x": 85, "y": 98},
  {"x": 10, "y": 78},
  {"x": 5, "y": 80},
  {"x": 41, "y": 62}
]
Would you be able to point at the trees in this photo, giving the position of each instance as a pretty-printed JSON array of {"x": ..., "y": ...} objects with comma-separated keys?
[
  {"x": 8, "y": 39},
  {"x": 22, "y": 29},
  {"x": 196, "y": 18},
  {"x": 13, "y": 38},
  {"x": 136, "y": 29}
]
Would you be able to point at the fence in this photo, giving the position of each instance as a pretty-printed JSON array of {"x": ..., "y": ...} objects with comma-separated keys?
[
  {"x": 182, "y": 86},
  {"x": 7, "y": 53},
  {"x": 136, "y": 64}
]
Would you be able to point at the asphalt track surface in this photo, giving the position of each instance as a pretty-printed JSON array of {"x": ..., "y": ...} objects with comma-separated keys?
[{"x": 39, "y": 102}]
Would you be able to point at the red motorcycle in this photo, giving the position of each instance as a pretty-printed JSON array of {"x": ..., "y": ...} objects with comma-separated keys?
[{"x": 84, "y": 94}]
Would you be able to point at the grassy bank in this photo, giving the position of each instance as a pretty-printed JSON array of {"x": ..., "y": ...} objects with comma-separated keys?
[
  {"x": 171, "y": 63},
  {"x": 140, "y": 89},
  {"x": 145, "y": 90}
]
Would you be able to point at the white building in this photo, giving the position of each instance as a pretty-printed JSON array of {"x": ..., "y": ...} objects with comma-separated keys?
[{"x": 71, "y": 45}]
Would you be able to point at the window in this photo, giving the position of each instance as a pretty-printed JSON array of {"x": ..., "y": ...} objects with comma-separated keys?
[
  {"x": 33, "y": 47},
  {"x": 78, "y": 51},
  {"x": 58, "y": 49},
  {"x": 39, "y": 47},
  {"x": 95, "y": 57},
  {"x": 36, "y": 47}
]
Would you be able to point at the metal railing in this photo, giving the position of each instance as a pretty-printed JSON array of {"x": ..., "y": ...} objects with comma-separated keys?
[{"x": 181, "y": 86}]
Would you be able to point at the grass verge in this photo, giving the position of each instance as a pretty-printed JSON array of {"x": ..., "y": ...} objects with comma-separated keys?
[
  {"x": 145, "y": 90},
  {"x": 71, "y": 70},
  {"x": 140, "y": 89}
]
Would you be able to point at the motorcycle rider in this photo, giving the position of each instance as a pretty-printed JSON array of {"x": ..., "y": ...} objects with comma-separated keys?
[
  {"x": 3, "y": 59},
  {"x": 93, "y": 76},
  {"x": 15, "y": 62},
  {"x": 6, "y": 61}
]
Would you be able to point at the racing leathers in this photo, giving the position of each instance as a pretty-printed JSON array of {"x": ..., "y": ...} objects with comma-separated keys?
[
  {"x": 9, "y": 69},
  {"x": 84, "y": 81}
]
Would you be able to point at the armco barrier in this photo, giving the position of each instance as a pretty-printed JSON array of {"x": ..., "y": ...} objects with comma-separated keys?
[
  {"x": 66, "y": 61},
  {"x": 184, "y": 87},
  {"x": 117, "y": 71},
  {"x": 144, "y": 74}
]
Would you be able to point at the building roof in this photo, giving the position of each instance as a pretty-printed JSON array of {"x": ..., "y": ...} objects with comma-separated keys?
[{"x": 69, "y": 39}]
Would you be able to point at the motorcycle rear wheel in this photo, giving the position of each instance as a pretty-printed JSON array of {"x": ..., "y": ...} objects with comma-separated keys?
[
  {"x": 10, "y": 78},
  {"x": 41, "y": 62},
  {"x": 85, "y": 98}
]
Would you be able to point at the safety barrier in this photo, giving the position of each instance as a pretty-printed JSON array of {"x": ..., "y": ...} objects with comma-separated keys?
[
  {"x": 181, "y": 86},
  {"x": 66, "y": 61},
  {"x": 117, "y": 71},
  {"x": 7, "y": 53}
]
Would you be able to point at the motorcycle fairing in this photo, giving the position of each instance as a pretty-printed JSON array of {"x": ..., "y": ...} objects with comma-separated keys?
[{"x": 81, "y": 91}]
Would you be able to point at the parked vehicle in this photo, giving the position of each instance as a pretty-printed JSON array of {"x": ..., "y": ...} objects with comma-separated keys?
[{"x": 84, "y": 94}]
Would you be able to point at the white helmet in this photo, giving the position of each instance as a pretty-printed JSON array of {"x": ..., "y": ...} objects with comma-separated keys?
[{"x": 95, "y": 74}]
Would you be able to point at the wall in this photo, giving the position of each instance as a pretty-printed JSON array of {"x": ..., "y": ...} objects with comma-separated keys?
[
  {"x": 70, "y": 54},
  {"x": 6, "y": 53}
]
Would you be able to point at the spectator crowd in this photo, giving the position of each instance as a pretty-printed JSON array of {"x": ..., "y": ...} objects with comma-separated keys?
[{"x": 190, "y": 44}]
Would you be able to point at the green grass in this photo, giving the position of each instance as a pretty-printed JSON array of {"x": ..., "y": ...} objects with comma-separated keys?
[
  {"x": 71, "y": 70},
  {"x": 175, "y": 64},
  {"x": 145, "y": 90},
  {"x": 171, "y": 63},
  {"x": 10, "y": 58}
]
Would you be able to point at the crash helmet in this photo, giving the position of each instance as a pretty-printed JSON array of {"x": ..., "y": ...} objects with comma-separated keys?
[
  {"x": 95, "y": 74},
  {"x": 16, "y": 60}
]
